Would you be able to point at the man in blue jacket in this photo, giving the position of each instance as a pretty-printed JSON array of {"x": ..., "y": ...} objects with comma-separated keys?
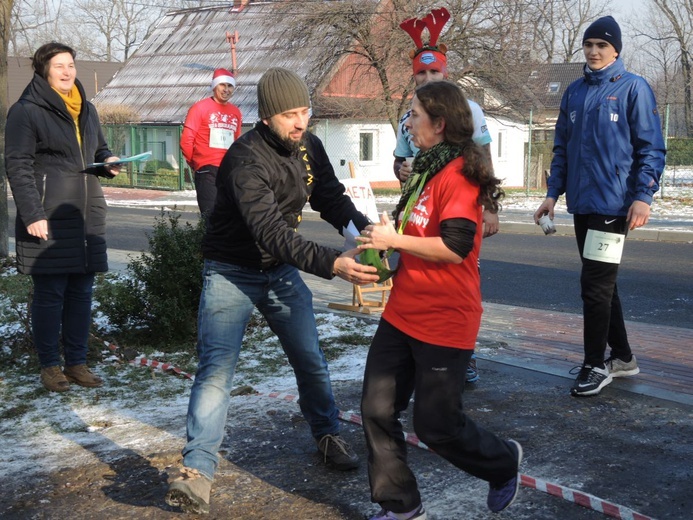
[{"x": 608, "y": 159}]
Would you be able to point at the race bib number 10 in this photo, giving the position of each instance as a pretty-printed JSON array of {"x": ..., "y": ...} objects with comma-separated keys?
[
  {"x": 220, "y": 138},
  {"x": 604, "y": 247}
]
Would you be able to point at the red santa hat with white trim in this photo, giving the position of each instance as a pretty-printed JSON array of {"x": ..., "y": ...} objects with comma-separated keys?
[{"x": 223, "y": 76}]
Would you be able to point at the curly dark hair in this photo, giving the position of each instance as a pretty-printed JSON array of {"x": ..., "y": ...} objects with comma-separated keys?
[
  {"x": 445, "y": 100},
  {"x": 45, "y": 53}
]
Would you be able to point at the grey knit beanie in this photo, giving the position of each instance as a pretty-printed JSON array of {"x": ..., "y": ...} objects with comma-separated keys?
[{"x": 280, "y": 90}]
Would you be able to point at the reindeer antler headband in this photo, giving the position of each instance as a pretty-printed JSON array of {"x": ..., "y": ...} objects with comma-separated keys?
[{"x": 430, "y": 55}]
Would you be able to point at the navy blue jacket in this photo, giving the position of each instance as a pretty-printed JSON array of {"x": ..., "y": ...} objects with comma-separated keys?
[
  {"x": 608, "y": 150},
  {"x": 48, "y": 174}
]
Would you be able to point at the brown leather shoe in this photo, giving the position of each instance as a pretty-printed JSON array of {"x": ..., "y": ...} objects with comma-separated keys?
[
  {"x": 82, "y": 376},
  {"x": 54, "y": 380}
]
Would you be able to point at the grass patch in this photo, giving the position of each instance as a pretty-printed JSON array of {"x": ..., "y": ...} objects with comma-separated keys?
[
  {"x": 15, "y": 411},
  {"x": 386, "y": 192}
]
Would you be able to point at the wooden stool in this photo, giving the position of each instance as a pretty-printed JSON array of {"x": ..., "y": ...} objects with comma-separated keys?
[{"x": 363, "y": 305}]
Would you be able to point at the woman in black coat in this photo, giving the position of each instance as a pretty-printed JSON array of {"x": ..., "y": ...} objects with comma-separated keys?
[{"x": 53, "y": 135}]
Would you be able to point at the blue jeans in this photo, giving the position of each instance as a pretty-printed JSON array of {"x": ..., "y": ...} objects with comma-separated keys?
[
  {"x": 229, "y": 294},
  {"x": 61, "y": 302}
]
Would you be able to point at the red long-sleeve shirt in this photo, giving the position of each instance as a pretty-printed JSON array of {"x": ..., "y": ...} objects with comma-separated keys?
[{"x": 209, "y": 129}]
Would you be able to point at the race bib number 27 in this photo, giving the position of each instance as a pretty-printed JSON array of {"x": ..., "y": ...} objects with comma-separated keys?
[{"x": 604, "y": 247}]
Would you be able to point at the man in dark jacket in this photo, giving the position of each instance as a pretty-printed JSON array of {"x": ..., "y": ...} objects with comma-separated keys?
[{"x": 253, "y": 255}]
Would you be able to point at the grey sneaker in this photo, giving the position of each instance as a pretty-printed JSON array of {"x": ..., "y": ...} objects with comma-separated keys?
[
  {"x": 337, "y": 453},
  {"x": 54, "y": 380},
  {"x": 190, "y": 492},
  {"x": 618, "y": 368},
  {"x": 590, "y": 380}
]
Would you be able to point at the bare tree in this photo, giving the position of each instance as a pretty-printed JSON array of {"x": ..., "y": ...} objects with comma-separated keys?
[
  {"x": 135, "y": 25},
  {"x": 366, "y": 37},
  {"x": 107, "y": 30},
  {"x": 5, "y": 22},
  {"x": 558, "y": 26},
  {"x": 573, "y": 17},
  {"x": 35, "y": 21},
  {"x": 120, "y": 26},
  {"x": 678, "y": 15}
]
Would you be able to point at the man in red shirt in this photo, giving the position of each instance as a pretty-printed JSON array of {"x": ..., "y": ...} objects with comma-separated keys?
[{"x": 210, "y": 128}]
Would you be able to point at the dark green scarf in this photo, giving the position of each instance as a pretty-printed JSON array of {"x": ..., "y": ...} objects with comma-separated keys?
[{"x": 426, "y": 165}]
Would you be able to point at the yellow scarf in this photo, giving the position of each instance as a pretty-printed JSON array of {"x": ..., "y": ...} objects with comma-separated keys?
[{"x": 73, "y": 103}]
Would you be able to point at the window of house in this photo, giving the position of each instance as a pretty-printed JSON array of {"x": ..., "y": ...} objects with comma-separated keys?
[
  {"x": 554, "y": 87},
  {"x": 366, "y": 144},
  {"x": 500, "y": 144}
]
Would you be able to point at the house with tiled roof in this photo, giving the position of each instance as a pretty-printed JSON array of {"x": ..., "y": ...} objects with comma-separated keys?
[
  {"x": 172, "y": 70},
  {"x": 533, "y": 110},
  {"x": 547, "y": 82}
]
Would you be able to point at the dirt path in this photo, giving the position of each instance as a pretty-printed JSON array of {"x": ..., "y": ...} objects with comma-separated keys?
[{"x": 630, "y": 450}]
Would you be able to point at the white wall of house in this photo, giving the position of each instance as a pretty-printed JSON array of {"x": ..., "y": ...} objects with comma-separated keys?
[
  {"x": 368, "y": 146},
  {"x": 508, "y": 150}
]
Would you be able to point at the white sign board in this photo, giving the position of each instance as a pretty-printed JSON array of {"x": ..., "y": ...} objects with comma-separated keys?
[{"x": 361, "y": 194}]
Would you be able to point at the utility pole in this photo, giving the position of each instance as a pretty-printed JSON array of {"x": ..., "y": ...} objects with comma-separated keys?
[{"x": 5, "y": 20}]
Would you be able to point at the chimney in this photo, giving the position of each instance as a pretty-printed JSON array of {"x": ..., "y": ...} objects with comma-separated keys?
[{"x": 239, "y": 5}]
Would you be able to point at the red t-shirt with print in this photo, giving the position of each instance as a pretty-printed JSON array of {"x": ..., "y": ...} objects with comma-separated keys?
[
  {"x": 440, "y": 302},
  {"x": 209, "y": 130}
]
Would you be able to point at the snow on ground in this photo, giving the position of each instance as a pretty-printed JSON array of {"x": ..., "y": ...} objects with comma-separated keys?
[
  {"x": 677, "y": 202},
  {"x": 144, "y": 410}
]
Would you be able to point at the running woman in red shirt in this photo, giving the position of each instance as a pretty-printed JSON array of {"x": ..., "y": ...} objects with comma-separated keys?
[{"x": 427, "y": 333}]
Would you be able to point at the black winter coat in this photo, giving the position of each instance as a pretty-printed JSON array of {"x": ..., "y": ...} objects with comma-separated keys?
[
  {"x": 48, "y": 174},
  {"x": 261, "y": 190}
]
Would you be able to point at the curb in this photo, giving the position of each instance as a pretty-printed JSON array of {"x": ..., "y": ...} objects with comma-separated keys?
[
  {"x": 651, "y": 234},
  {"x": 514, "y": 228}
]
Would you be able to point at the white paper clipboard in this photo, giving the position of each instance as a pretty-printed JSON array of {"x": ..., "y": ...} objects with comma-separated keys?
[{"x": 139, "y": 157}]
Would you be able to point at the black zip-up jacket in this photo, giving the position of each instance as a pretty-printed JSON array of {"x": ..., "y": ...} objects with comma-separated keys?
[
  {"x": 48, "y": 175},
  {"x": 261, "y": 190}
]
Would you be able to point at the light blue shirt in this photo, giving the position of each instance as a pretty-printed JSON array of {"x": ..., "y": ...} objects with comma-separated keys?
[{"x": 405, "y": 147}]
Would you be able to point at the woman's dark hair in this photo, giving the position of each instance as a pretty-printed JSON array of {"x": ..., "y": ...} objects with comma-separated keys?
[
  {"x": 45, "y": 53},
  {"x": 445, "y": 100}
]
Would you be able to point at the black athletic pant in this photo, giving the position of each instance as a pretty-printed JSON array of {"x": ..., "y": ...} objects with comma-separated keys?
[
  {"x": 205, "y": 186},
  {"x": 602, "y": 312},
  {"x": 397, "y": 367}
]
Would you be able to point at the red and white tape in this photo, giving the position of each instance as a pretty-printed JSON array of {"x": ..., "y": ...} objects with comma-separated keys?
[
  {"x": 142, "y": 361},
  {"x": 571, "y": 495},
  {"x": 582, "y": 499}
]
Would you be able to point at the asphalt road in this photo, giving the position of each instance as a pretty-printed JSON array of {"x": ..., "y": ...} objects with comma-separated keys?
[
  {"x": 537, "y": 271},
  {"x": 655, "y": 281}
]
